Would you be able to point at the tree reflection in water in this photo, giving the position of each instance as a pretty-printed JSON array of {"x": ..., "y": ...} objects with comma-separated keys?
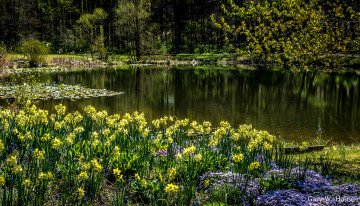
[{"x": 287, "y": 104}]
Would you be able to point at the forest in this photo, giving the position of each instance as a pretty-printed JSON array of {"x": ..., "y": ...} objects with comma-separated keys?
[
  {"x": 284, "y": 32},
  {"x": 71, "y": 26}
]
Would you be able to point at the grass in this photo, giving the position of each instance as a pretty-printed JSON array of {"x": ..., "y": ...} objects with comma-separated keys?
[{"x": 345, "y": 161}]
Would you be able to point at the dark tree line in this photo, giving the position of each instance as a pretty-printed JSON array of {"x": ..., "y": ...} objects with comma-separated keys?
[
  {"x": 176, "y": 25},
  {"x": 167, "y": 26}
]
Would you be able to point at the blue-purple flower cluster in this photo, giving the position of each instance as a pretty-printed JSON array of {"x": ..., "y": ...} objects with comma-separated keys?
[{"x": 308, "y": 188}]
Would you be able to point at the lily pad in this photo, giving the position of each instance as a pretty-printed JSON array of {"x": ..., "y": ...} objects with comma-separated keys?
[
  {"x": 52, "y": 91},
  {"x": 39, "y": 69}
]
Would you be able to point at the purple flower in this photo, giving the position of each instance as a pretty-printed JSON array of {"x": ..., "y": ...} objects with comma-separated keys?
[{"x": 162, "y": 153}]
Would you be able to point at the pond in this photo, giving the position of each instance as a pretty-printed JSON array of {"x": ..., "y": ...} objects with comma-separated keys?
[{"x": 293, "y": 106}]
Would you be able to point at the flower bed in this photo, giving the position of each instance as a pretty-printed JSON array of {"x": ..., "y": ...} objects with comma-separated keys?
[{"x": 100, "y": 159}]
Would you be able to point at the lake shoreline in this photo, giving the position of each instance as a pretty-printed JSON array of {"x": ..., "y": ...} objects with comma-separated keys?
[{"x": 86, "y": 61}]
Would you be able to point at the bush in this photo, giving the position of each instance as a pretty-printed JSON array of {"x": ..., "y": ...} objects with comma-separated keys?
[
  {"x": 35, "y": 51},
  {"x": 4, "y": 62}
]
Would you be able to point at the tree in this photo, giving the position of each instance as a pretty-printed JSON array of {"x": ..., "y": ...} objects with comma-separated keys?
[
  {"x": 294, "y": 32},
  {"x": 90, "y": 30},
  {"x": 133, "y": 17}
]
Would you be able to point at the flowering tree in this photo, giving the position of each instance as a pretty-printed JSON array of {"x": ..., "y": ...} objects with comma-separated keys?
[{"x": 293, "y": 32}]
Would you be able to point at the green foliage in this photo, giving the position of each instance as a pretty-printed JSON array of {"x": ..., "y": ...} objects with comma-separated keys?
[
  {"x": 146, "y": 192},
  {"x": 275, "y": 183},
  {"x": 294, "y": 33},
  {"x": 4, "y": 62},
  {"x": 343, "y": 151},
  {"x": 133, "y": 18},
  {"x": 35, "y": 51},
  {"x": 3, "y": 52},
  {"x": 215, "y": 204},
  {"x": 99, "y": 47},
  {"x": 89, "y": 28},
  {"x": 227, "y": 195}
]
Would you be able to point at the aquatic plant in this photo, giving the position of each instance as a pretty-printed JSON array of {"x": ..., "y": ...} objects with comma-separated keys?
[{"x": 52, "y": 91}]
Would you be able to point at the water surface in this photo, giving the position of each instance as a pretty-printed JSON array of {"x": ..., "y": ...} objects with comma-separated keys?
[{"x": 291, "y": 105}]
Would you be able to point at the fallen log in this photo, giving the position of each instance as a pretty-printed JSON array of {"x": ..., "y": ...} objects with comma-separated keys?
[{"x": 289, "y": 150}]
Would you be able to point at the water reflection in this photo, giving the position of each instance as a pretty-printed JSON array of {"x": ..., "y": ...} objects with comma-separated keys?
[{"x": 288, "y": 104}]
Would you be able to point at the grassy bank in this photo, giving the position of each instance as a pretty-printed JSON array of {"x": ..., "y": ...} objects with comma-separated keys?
[
  {"x": 86, "y": 60},
  {"x": 344, "y": 162},
  {"x": 54, "y": 59}
]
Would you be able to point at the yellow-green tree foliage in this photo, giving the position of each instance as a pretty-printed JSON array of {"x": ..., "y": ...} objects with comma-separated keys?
[
  {"x": 296, "y": 33},
  {"x": 91, "y": 32}
]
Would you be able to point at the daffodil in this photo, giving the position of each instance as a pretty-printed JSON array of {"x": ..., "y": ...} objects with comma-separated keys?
[
  {"x": 120, "y": 178},
  {"x": 59, "y": 125},
  {"x": 85, "y": 166},
  {"x": 143, "y": 182},
  {"x": 137, "y": 177},
  {"x": 83, "y": 176},
  {"x": 80, "y": 192},
  {"x": 189, "y": 150},
  {"x": 145, "y": 133},
  {"x": 78, "y": 130},
  {"x": 56, "y": 143},
  {"x": 96, "y": 165},
  {"x": 116, "y": 151},
  {"x": 42, "y": 176},
  {"x": 172, "y": 173},
  {"x": 27, "y": 182},
  {"x": 238, "y": 157},
  {"x": 2, "y": 180},
  {"x": 2, "y": 147},
  {"x": 106, "y": 132},
  {"x": 116, "y": 172},
  {"x": 254, "y": 165},
  {"x": 11, "y": 161},
  {"x": 198, "y": 157},
  {"x": 46, "y": 137},
  {"x": 235, "y": 136},
  {"x": 267, "y": 146},
  {"x": 178, "y": 156},
  {"x": 60, "y": 109},
  {"x": 39, "y": 155},
  {"x": 18, "y": 169},
  {"x": 170, "y": 188}
]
